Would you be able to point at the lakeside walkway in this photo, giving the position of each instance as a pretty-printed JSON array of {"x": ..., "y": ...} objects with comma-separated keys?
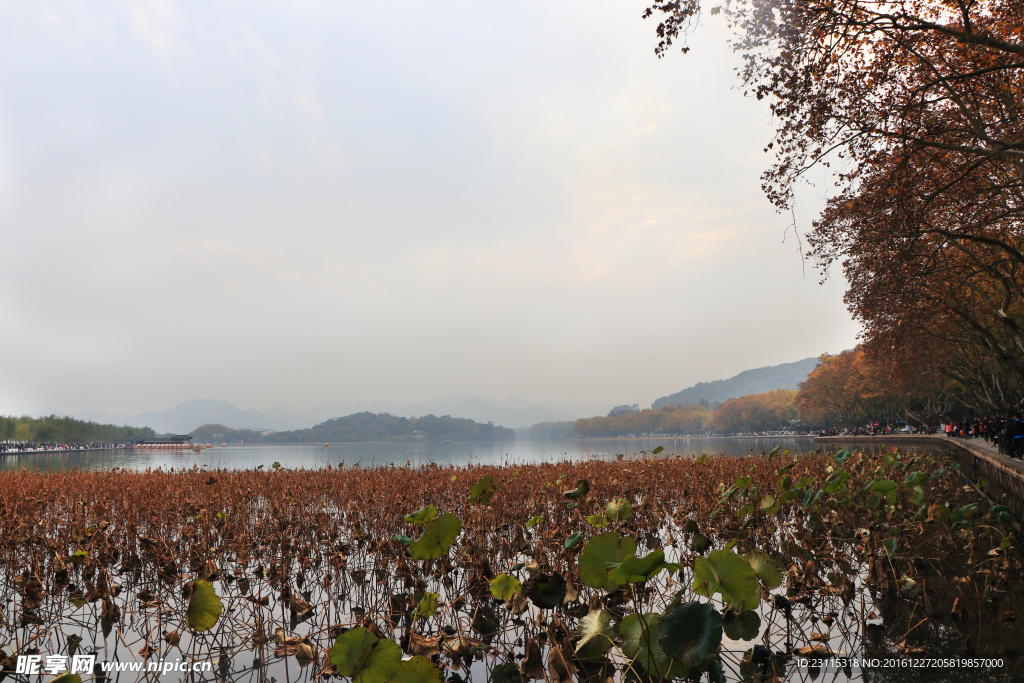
[{"x": 38, "y": 451}]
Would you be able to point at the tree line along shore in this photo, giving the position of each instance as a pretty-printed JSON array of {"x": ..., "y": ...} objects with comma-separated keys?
[{"x": 845, "y": 391}]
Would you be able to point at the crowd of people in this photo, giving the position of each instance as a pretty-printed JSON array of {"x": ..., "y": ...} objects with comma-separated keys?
[
  {"x": 876, "y": 429},
  {"x": 27, "y": 447},
  {"x": 1007, "y": 434}
]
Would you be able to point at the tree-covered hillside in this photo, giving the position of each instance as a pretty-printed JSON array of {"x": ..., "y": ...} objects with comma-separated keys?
[
  {"x": 367, "y": 427},
  {"x": 56, "y": 429},
  {"x": 759, "y": 380}
]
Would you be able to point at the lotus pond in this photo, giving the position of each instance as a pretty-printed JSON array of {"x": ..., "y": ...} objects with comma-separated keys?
[{"x": 638, "y": 569}]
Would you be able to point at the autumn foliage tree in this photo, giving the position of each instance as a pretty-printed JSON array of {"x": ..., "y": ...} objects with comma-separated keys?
[
  {"x": 844, "y": 391},
  {"x": 851, "y": 389},
  {"x": 764, "y": 412},
  {"x": 688, "y": 419},
  {"x": 916, "y": 106},
  {"x": 768, "y": 411}
]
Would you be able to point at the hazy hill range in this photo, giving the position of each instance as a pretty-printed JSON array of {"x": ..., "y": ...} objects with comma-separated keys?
[
  {"x": 759, "y": 380},
  {"x": 365, "y": 427},
  {"x": 512, "y": 412}
]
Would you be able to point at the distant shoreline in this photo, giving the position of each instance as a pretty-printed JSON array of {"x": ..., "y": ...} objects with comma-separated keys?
[
  {"x": 673, "y": 438},
  {"x": 44, "y": 451},
  {"x": 332, "y": 444}
]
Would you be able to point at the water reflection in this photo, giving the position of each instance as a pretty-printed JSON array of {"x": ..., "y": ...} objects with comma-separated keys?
[{"x": 383, "y": 454}]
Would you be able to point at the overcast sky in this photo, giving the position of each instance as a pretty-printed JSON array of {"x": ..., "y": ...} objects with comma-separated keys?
[{"x": 305, "y": 202}]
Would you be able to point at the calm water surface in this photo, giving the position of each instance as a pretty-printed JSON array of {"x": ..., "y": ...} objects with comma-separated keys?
[{"x": 414, "y": 453}]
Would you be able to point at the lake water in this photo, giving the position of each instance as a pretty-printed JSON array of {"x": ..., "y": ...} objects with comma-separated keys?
[{"x": 413, "y": 453}]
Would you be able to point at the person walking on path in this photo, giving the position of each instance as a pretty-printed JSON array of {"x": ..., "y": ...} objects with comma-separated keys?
[{"x": 1015, "y": 433}]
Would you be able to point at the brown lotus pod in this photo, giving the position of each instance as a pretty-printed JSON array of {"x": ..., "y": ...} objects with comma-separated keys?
[{"x": 533, "y": 664}]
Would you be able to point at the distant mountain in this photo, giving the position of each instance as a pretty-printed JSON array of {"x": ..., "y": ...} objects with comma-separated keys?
[
  {"x": 184, "y": 418},
  {"x": 514, "y": 413},
  {"x": 785, "y": 376}
]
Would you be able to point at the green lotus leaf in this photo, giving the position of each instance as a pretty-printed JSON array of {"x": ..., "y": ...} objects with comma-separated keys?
[
  {"x": 418, "y": 670},
  {"x": 918, "y": 495},
  {"x": 767, "y": 503},
  {"x": 572, "y": 540},
  {"x": 765, "y": 570},
  {"x": 427, "y": 606},
  {"x": 638, "y": 569},
  {"x": 702, "y": 459},
  {"x": 504, "y": 587},
  {"x": 601, "y": 550},
  {"x": 641, "y": 634},
  {"x": 716, "y": 674},
  {"x": 842, "y": 455},
  {"x": 485, "y": 621},
  {"x": 729, "y": 494},
  {"x": 996, "y": 509},
  {"x": 598, "y": 520},
  {"x": 78, "y": 557},
  {"x": 884, "y": 487},
  {"x": 618, "y": 510},
  {"x": 700, "y": 544},
  {"x": 597, "y": 635},
  {"x": 836, "y": 481},
  {"x": 533, "y": 521},
  {"x": 401, "y": 538},
  {"x": 547, "y": 591},
  {"x": 438, "y": 536},
  {"x": 582, "y": 489},
  {"x": 725, "y": 572},
  {"x": 742, "y": 626},
  {"x": 692, "y": 633},
  {"x": 915, "y": 479},
  {"x": 204, "y": 608},
  {"x": 657, "y": 450},
  {"x": 506, "y": 673},
  {"x": 482, "y": 491},
  {"x": 422, "y": 516},
  {"x": 366, "y": 659},
  {"x": 67, "y": 677}
]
